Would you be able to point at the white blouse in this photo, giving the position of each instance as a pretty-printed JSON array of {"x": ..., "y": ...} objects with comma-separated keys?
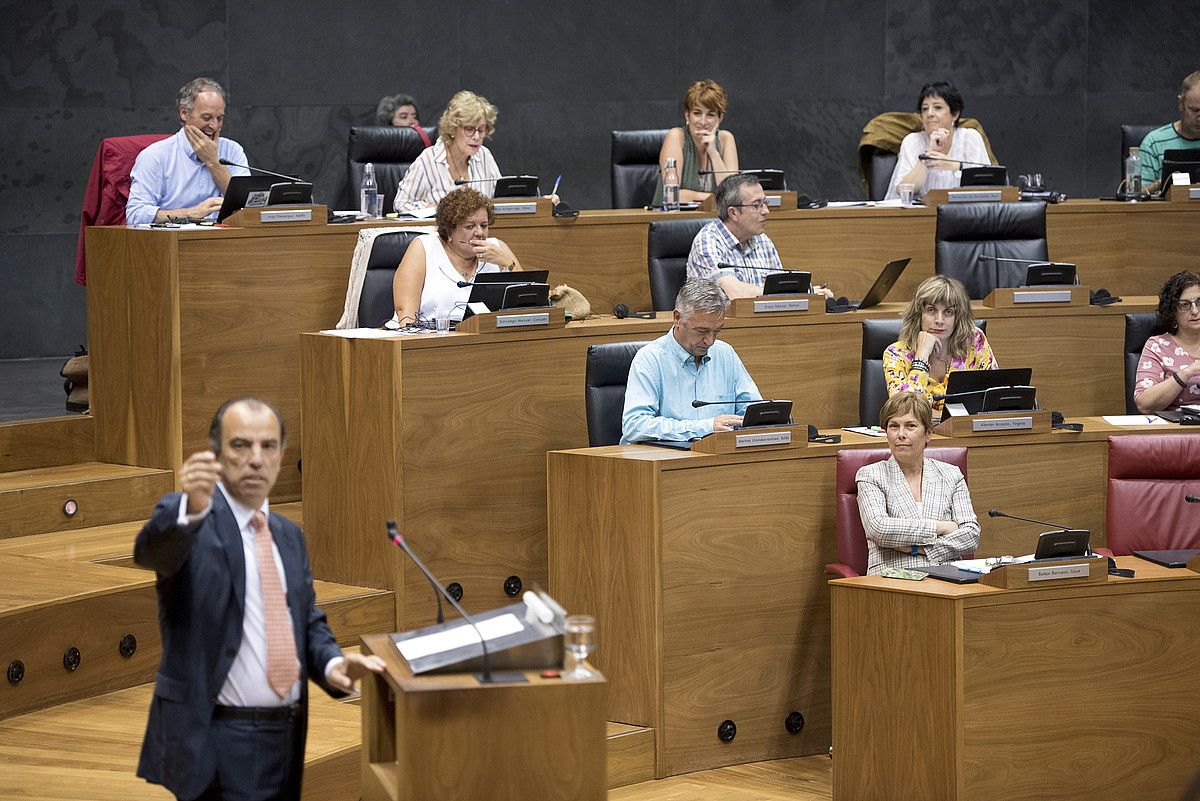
[
  {"x": 441, "y": 297},
  {"x": 966, "y": 145}
]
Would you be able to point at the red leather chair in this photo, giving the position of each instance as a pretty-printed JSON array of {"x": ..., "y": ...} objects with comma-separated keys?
[
  {"x": 1147, "y": 479},
  {"x": 108, "y": 188},
  {"x": 852, "y": 540}
]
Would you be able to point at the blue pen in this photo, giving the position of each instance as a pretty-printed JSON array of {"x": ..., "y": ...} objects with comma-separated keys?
[{"x": 557, "y": 181}]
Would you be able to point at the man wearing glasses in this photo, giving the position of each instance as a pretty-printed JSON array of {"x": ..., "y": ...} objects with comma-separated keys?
[{"x": 736, "y": 238}]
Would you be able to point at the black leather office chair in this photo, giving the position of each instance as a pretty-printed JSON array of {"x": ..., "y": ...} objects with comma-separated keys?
[
  {"x": 668, "y": 244},
  {"x": 391, "y": 149},
  {"x": 1138, "y": 328},
  {"x": 1131, "y": 136},
  {"x": 967, "y": 230},
  {"x": 635, "y": 167},
  {"x": 605, "y": 378},
  {"x": 879, "y": 165},
  {"x": 375, "y": 306},
  {"x": 872, "y": 388}
]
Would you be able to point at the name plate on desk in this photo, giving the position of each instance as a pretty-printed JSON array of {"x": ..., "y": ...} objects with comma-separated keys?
[
  {"x": 1010, "y": 297},
  {"x": 776, "y": 304},
  {"x": 522, "y": 320},
  {"x": 1177, "y": 192},
  {"x": 785, "y": 305},
  {"x": 527, "y": 207},
  {"x": 285, "y": 215},
  {"x": 1052, "y": 572},
  {"x": 1002, "y": 423},
  {"x": 759, "y": 440},
  {"x": 976, "y": 196},
  {"x": 983, "y": 194}
]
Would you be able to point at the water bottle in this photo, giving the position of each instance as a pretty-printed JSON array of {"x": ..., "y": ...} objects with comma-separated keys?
[
  {"x": 370, "y": 203},
  {"x": 670, "y": 187},
  {"x": 1133, "y": 174}
]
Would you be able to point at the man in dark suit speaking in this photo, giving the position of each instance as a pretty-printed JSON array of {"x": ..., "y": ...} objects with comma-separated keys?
[{"x": 240, "y": 627}]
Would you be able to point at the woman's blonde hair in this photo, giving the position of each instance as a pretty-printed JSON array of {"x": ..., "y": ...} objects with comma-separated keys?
[
  {"x": 906, "y": 402},
  {"x": 466, "y": 108},
  {"x": 948, "y": 292}
]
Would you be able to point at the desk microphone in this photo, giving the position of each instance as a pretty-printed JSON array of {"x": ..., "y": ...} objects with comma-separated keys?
[
  {"x": 963, "y": 162},
  {"x": 291, "y": 178},
  {"x": 1192, "y": 498},
  {"x": 696, "y": 404},
  {"x": 398, "y": 539},
  {"x": 465, "y": 284},
  {"x": 465, "y": 181},
  {"x": 1030, "y": 262},
  {"x": 726, "y": 266},
  {"x": 998, "y": 513}
]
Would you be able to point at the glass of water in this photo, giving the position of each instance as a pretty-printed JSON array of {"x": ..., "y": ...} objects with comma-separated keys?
[
  {"x": 906, "y": 193},
  {"x": 580, "y": 640}
]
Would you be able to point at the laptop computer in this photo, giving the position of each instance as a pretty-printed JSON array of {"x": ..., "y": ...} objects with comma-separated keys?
[
  {"x": 884, "y": 282},
  {"x": 1176, "y": 558},
  {"x": 255, "y": 191},
  {"x": 518, "y": 277}
]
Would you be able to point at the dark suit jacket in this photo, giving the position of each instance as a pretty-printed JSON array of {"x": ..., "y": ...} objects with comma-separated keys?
[{"x": 201, "y": 591}]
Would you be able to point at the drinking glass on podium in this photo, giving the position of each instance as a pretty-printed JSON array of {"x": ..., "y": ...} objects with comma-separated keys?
[{"x": 580, "y": 640}]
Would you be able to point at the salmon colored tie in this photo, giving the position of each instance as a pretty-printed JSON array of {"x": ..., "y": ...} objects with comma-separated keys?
[{"x": 282, "y": 671}]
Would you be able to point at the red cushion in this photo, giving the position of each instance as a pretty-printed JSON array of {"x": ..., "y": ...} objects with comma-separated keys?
[{"x": 1148, "y": 477}]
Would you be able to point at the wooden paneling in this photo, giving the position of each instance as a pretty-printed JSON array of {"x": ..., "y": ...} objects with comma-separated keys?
[
  {"x": 31, "y": 501},
  {"x": 1066, "y": 692},
  {"x": 354, "y": 611},
  {"x": 27, "y": 444},
  {"x": 630, "y": 755},
  {"x": 133, "y": 331},
  {"x": 1137, "y": 740}
]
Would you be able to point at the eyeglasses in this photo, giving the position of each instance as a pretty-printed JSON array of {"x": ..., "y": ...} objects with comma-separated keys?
[
  {"x": 757, "y": 205},
  {"x": 471, "y": 130},
  {"x": 1187, "y": 305}
]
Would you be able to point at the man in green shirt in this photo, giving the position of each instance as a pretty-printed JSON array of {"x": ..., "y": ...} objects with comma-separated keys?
[{"x": 1179, "y": 135}]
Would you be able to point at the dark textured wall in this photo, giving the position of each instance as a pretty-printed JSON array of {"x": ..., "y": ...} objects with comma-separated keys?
[{"x": 1050, "y": 80}]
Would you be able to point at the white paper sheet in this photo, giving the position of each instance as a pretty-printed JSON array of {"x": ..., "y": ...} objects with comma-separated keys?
[{"x": 459, "y": 636}]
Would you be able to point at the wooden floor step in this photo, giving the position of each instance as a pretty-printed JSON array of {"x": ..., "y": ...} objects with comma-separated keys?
[
  {"x": 69, "y": 630},
  {"x": 630, "y": 754},
  {"x": 88, "y": 749},
  {"x": 111, "y": 544},
  {"x": 355, "y": 611},
  {"x": 76, "y": 496},
  {"x": 26, "y": 444}
]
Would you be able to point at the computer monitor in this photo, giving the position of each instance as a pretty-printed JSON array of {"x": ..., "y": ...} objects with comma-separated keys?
[
  {"x": 1006, "y": 389},
  {"x": 995, "y": 175},
  {"x": 256, "y": 191},
  {"x": 500, "y": 296},
  {"x": 1180, "y": 160},
  {"x": 517, "y": 186},
  {"x": 792, "y": 282}
]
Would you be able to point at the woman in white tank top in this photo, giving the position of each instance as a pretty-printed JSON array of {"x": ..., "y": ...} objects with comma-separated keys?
[{"x": 426, "y": 286}]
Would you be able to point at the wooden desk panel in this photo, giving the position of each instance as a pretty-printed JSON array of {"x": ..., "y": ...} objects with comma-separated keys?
[{"x": 1067, "y": 692}]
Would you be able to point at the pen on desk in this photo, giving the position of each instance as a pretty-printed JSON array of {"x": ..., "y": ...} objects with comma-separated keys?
[{"x": 557, "y": 181}]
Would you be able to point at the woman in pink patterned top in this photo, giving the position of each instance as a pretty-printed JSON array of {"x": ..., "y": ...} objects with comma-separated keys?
[
  {"x": 1168, "y": 370},
  {"x": 937, "y": 337}
]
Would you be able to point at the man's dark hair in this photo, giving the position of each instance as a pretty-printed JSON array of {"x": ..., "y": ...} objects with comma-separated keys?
[
  {"x": 1168, "y": 296},
  {"x": 729, "y": 191},
  {"x": 946, "y": 91},
  {"x": 214, "y": 428}
]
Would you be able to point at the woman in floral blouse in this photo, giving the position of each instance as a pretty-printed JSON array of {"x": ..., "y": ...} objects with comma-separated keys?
[
  {"x": 937, "y": 337},
  {"x": 1168, "y": 370}
]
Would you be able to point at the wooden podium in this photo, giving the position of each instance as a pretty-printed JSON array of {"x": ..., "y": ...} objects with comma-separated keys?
[{"x": 451, "y": 737}]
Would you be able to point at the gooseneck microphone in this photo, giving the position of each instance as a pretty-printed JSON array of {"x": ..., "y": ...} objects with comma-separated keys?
[
  {"x": 291, "y": 178},
  {"x": 1030, "y": 262},
  {"x": 397, "y": 538},
  {"x": 998, "y": 513},
  {"x": 696, "y": 404},
  {"x": 467, "y": 181},
  {"x": 963, "y": 162},
  {"x": 726, "y": 266}
]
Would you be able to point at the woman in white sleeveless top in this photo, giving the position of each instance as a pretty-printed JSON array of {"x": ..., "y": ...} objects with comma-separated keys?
[{"x": 426, "y": 287}]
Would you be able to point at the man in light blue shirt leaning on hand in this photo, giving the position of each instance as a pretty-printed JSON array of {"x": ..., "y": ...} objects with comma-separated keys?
[
  {"x": 685, "y": 364},
  {"x": 181, "y": 178}
]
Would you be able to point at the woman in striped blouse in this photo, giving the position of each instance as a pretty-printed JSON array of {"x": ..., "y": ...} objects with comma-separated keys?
[{"x": 458, "y": 155}]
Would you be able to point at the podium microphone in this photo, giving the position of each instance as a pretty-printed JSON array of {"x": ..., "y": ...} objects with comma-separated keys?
[
  {"x": 726, "y": 266},
  {"x": 398, "y": 539},
  {"x": 291, "y": 178},
  {"x": 1030, "y": 262},
  {"x": 466, "y": 181}
]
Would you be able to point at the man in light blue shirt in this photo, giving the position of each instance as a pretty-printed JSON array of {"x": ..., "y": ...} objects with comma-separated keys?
[
  {"x": 181, "y": 178},
  {"x": 685, "y": 364}
]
